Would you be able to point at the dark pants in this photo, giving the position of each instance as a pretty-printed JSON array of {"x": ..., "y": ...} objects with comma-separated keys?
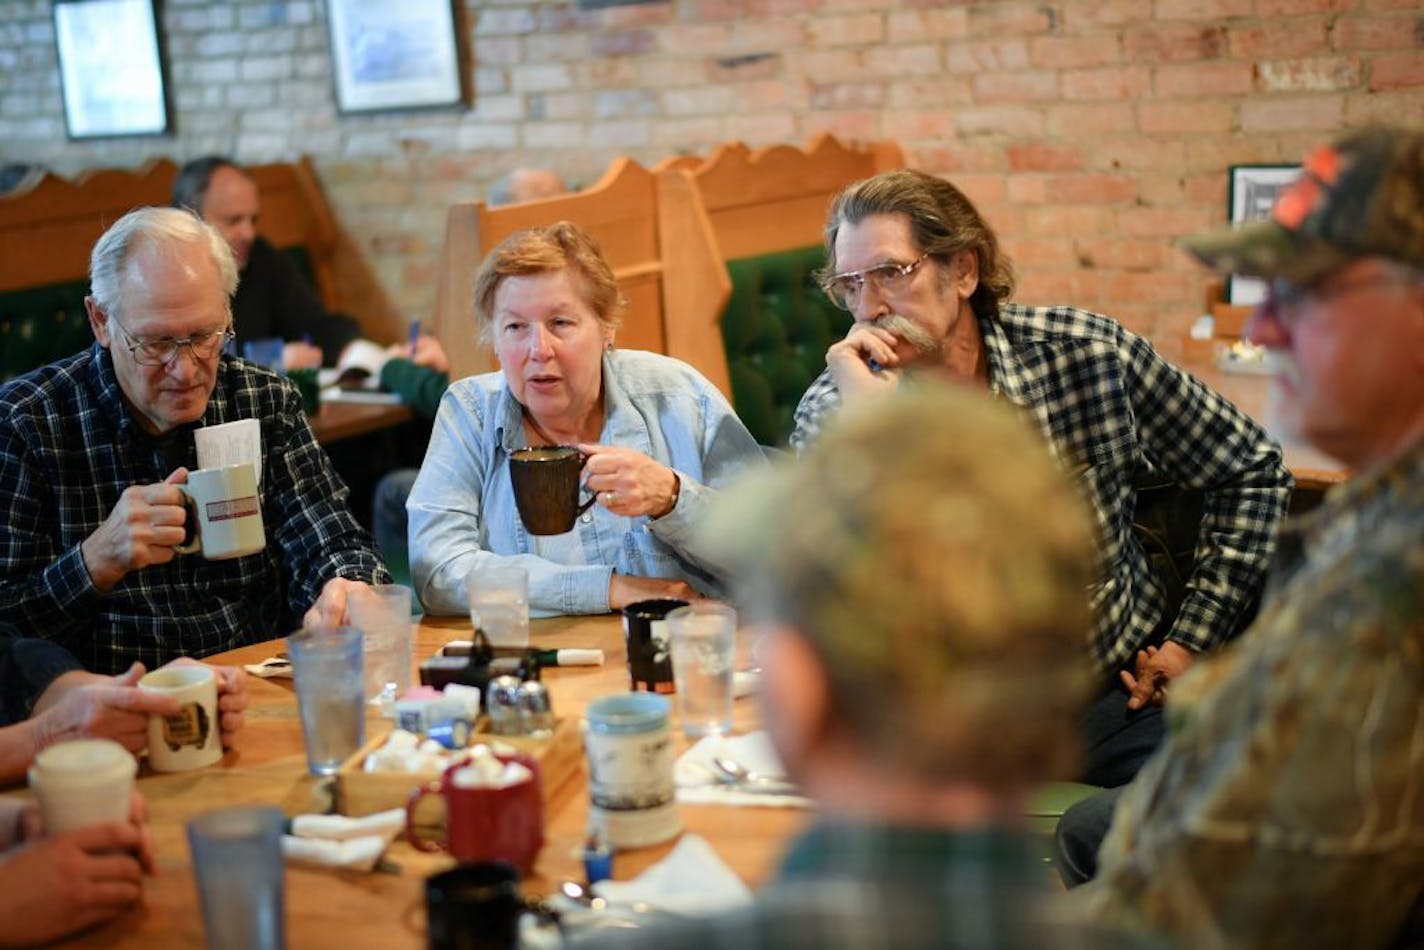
[
  {"x": 27, "y": 667},
  {"x": 1117, "y": 740},
  {"x": 1080, "y": 834}
]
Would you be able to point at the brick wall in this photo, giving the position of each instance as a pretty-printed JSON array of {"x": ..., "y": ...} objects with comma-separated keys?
[{"x": 1091, "y": 132}]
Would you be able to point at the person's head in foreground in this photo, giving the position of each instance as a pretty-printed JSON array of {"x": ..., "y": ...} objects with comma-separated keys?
[
  {"x": 908, "y": 252},
  {"x": 1344, "y": 254},
  {"x": 918, "y": 583},
  {"x": 162, "y": 284}
]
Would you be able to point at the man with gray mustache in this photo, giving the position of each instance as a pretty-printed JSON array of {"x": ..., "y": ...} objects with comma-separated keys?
[{"x": 923, "y": 275}]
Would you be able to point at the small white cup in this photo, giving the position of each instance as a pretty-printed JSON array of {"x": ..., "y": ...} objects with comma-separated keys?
[
  {"x": 191, "y": 738},
  {"x": 83, "y": 782},
  {"x": 225, "y": 511}
]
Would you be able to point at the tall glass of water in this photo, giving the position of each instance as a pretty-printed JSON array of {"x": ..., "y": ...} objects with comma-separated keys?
[
  {"x": 704, "y": 639},
  {"x": 499, "y": 603},
  {"x": 331, "y": 695},
  {"x": 382, "y": 612}
]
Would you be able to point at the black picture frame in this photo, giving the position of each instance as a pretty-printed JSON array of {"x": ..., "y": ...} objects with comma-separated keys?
[
  {"x": 389, "y": 55},
  {"x": 1252, "y": 193},
  {"x": 113, "y": 76}
]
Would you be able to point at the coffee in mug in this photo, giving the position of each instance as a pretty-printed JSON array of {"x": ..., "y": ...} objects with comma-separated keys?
[
  {"x": 224, "y": 512},
  {"x": 83, "y": 782},
  {"x": 546, "y": 487},
  {"x": 192, "y": 737}
]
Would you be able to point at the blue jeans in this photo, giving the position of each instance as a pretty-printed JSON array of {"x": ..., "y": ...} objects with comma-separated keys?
[
  {"x": 1080, "y": 834},
  {"x": 388, "y": 515}
]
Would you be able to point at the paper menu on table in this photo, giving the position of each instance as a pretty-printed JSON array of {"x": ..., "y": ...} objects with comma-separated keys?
[{"x": 231, "y": 443}]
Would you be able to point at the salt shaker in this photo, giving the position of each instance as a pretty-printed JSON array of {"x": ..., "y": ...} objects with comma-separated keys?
[
  {"x": 536, "y": 712},
  {"x": 502, "y": 705}
]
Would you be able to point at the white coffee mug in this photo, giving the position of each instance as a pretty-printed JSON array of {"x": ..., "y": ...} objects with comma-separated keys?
[
  {"x": 191, "y": 738},
  {"x": 83, "y": 782},
  {"x": 224, "y": 512}
]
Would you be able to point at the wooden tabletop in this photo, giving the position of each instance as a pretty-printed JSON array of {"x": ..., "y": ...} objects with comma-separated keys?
[
  {"x": 337, "y": 420},
  {"x": 1313, "y": 470},
  {"x": 267, "y": 765}
]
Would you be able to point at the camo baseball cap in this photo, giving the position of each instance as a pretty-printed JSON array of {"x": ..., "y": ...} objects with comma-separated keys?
[{"x": 1359, "y": 197}]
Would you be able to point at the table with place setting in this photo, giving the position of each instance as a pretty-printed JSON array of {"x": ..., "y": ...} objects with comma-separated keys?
[{"x": 385, "y": 907}]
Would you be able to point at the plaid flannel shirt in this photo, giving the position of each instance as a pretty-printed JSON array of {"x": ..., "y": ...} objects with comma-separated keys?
[
  {"x": 875, "y": 886},
  {"x": 68, "y": 449},
  {"x": 1114, "y": 411}
]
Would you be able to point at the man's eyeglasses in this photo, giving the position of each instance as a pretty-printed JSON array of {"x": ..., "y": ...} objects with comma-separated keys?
[
  {"x": 1284, "y": 299},
  {"x": 161, "y": 352},
  {"x": 845, "y": 289}
]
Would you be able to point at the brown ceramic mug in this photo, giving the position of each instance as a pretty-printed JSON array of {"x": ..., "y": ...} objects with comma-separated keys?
[{"x": 546, "y": 487}]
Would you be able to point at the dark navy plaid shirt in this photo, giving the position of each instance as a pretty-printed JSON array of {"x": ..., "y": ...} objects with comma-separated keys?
[
  {"x": 1114, "y": 411},
  {"x": 68, "y": 449}
]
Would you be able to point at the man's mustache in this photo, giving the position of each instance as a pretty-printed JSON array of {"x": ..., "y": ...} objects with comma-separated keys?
[{"x": 919, "y": 339}]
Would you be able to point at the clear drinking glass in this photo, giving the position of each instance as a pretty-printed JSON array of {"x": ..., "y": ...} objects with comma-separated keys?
[
  {"x": 237, "y": 858},
  {"x": 382, "y": 612},
  {"x": 704, "y": 639},
  {"x": 499, "y": 603},
  {"x": 331, "y": 696}
]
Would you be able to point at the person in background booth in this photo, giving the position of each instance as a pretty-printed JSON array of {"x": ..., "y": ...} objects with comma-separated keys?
[{"x": 659, "y": 440}]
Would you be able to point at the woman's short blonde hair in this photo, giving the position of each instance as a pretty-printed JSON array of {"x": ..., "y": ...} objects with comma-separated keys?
[{"x": 545, "y": 250}]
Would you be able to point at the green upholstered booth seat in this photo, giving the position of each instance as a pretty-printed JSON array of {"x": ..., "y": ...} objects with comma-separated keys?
[
  {"x": 39, "y": 325},
  {"x": 776, "y": 329}
]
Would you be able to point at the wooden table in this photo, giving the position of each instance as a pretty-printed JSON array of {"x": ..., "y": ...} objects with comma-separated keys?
[
  {"x": 329, "y": 908},
  {"x": 1313, "y": 470},
  {"x": 337, "y": 420}
]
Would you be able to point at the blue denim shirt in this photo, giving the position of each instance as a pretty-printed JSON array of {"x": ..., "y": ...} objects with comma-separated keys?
[{"x": 462, "y": 511}]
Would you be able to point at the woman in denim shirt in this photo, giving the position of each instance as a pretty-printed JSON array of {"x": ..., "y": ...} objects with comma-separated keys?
[{"x": 659, "y": 438}]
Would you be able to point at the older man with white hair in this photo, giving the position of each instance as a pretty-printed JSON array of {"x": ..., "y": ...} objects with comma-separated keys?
[{"x": 94, "y": 447}]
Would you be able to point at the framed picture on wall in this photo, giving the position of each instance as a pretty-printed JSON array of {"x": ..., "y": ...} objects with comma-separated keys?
[
  {"x": 1254, "y": 189},
  {"x": 396, "y": 55},
  {"x": 110, "y": 68}
]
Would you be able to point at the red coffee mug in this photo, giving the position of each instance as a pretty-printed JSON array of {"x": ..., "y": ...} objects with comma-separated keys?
[{"x": 485, "y": 824}]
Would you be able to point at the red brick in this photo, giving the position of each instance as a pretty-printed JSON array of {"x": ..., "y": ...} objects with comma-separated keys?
[
  {"x": 1200, "y": 9},
  {"x": 1075, "y": 120},
  {"x": 953, "y": 158},
  {"x": 1270, "y": 8},
  {"x": 1077, "y": 17},
  {"x": 983, "y": 190},
  {"x": 920, "y": 25},
  {"x": 921, "y": 59},
  {"x": 1324, "y": 74},
  {"x": 1071, "y": 52},
  {"x": 986, "y": 55},
  {"x": 1152, "y": 44},
  {"x": 1277, "y": 114},
  {"x": 1058, "y": 288},
  {"x": 1027, "y": 189},
  {"x": 1397, "y": 71},
  {"x": 1167, "y": 223},
  {"x": 1305, "y": 35},
  {"x": 1004, "y": 18},
  {"x": 836, "y": 65},
  {"x": 1391, "y": 4},
  {"x": 859, "y": 95},
  {"x": 1090, "y": 189},
  {"x": 1060, "y": 219},
  {"x": 1352, "y": 33},
  {"x": 1365, "y": 107},
  {"x": 939, "y": 92},
  {"x": 1014, "y": 87},
  {"x": 1159, "y": 190},
  {"x": 1203, "y": 79},
  {"x": 1133, "y": 151},
  {"x": 1000, "y": 120},
  {"x": 622, "y": 43},
  {"x": 674, "y": 134},
  {"x": 901, "y": 125},
  {"x": 670, "y": 72},
  {"x": 1153, "y": 286},
  {"x": 767, "y": 34},
  {"x": 739, "y": 69},
  {"x": 1119, "y": 253},
  {"x": 1046, "y": 253},
  {"x": 1042, "y": 156},
  {"x": 1212, "y": 154},
  {"x": 1185, "y": 117},
  {"x": 1117, "y": 82},
  {"x": 844, "y": 125},
  {"x": 695, "y": 38},
  {"x": 856, "y": 30}
]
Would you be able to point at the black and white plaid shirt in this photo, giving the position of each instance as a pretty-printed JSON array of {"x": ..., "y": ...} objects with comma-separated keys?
[
  {"x": 68, "y": 449},
  {"x": 1113, "y": 410}
]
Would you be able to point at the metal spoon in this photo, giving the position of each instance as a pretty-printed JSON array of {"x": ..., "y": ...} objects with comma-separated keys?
[{"x": 732, "y": 772}]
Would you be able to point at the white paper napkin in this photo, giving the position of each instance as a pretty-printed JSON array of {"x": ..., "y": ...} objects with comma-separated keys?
[
  {"x": 339, "y": 842},
  {"x": 697, "y": 784},
  {"x": 691, "y": 880}
]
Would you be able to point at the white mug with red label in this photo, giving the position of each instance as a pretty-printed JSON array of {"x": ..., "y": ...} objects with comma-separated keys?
[{"x": 224, "y": 512}]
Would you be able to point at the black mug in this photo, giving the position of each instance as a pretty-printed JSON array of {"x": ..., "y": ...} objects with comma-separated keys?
[
  {"x": 546, "y": 487},
  {"x": 473, "y": 906},
  {"x": 645, "y": 634}
]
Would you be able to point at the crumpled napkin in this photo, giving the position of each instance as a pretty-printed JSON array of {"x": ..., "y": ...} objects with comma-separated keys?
[
  {"x": 697, "y": 784},
  {"x": 691, "y": 880},
  {"x": 274, "y": 667},
  {"x": 335, "y": 841}
]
